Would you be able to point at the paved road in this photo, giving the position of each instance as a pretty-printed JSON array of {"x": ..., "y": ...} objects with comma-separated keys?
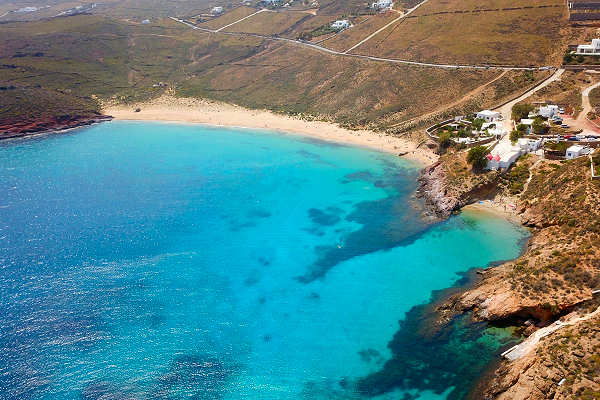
[
  {"x": 388, "y": 60},
  {"x": 506, "y": 109}
]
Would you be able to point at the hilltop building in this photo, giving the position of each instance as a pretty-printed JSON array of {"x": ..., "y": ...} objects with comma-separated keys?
[
  {"x": 340, "y": 24},
  {"x": 488, "y": 116},
  {"x": 382, "y": 4},
  {"x": 216, "y": 10},
  {"x": 593, "y": 48}
]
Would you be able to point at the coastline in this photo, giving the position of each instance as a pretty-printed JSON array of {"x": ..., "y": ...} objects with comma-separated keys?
[
  {"x": 175, "y": 109},
  {"x": 58, "y": 127}
]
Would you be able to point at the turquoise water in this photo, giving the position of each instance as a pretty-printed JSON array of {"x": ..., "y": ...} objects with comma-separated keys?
[{"x": 150, "y": 260}]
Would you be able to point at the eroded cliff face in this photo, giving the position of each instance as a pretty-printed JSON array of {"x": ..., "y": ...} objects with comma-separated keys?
[
  {"x": 556, "y": 275},
  {"x": 565, "y": 365},
  {"x": 448, "y": 184}
]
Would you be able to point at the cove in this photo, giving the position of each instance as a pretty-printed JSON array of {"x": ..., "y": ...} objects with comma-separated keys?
[{"x": 168, "y": 261}]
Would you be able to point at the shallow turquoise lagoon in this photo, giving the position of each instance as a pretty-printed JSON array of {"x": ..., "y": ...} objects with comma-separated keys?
[{"x": 171, "y": 261}]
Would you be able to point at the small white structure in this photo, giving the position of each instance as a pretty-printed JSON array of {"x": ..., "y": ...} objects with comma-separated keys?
[
  {"x": 505, "y": 160},
  {"x": 548, "y": 111},
  {"x": 216, "y": 10},
  {"x": 382, "y": 4},
  {"x": 146, "y": 21},
  {"x": 528, "y": 123},
  {"x": 488, "y": 116},
  {"x": 493, "y": 128},
  {"x": 529, "y": 145},
  {"x": 576, "y": 151},
  {"x": 593, "y": 48},
  {"x": 340, "y": 24}
]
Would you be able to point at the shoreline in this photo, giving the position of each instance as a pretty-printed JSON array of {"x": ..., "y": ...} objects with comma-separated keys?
[
  {"x": 188, "y": 110},
  {"x": 59, "y": 128}
]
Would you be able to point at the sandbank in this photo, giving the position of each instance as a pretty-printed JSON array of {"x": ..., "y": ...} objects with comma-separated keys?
[{"x": 175, "y": 109}]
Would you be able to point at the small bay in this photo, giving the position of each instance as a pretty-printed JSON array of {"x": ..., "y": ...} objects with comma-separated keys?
[{"x": 152, "y": 260}]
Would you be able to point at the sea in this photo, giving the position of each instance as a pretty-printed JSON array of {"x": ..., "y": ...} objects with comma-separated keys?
[{"x": 149, "y": 260}]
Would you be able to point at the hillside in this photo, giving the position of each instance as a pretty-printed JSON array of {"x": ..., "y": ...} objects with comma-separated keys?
[{"x": 84, "y": 56}]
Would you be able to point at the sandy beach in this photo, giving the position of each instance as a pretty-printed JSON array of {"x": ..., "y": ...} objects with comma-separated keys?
[
  {"x": 168, "y": 108},
  {"x": 500, "y": 206}
]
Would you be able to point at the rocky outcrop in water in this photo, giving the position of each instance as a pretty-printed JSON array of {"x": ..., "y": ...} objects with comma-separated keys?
[{"x": 448, "y": 185}]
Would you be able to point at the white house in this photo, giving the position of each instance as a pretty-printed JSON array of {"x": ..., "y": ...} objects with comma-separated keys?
[
  {"x": 529, "y": 145},
  {"x": 488, "y": 116},
  {"x": 576, "y": 151},
  {"x": 548, "y": 111},
  {"x": 593, "y": 48},
  {"x": 382, "y": 4},
  {"x": 503, "y": 161},
  {"x": 146, "y": 21},
  {"x": 340, "y": 24},
  {"x": 216, "y": 10}
]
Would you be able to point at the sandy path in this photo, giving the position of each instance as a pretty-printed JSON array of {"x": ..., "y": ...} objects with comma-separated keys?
[
  {"x": 167, "y": 108},
  {"x": 532, "y": 341}
]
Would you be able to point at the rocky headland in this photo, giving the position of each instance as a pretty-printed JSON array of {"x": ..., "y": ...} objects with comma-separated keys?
[
  {"x": 20, "y": 128},
  {"x": 554, "y": 279}
]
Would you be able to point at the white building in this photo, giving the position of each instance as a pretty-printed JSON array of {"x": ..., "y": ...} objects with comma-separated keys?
[
  {"x": 529, "y": 145},
  {"x": 505, "y": 160},
  {"x": 216, "y": 10},
  {"x": 548, "y": 111},
  {"x": 488, "y": 116},
  {"x": 146, "y": 21},
  {"x": 340, "y": 24},
  {"x": 576, "y": 151},
  {"x": 593, "y": 48},
  {"x": 382, "y": 4}
]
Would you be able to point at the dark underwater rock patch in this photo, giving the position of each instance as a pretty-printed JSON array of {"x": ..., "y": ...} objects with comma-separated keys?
[{"x": 324, "y": 218}]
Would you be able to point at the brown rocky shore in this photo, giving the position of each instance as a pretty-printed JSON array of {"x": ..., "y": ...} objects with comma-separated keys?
[
  {"x": 20, "y": 128},
  {"x": 554, "y": 279}
]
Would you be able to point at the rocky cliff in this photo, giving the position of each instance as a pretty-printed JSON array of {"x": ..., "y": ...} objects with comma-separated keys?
[{"x": 556, "y": 275}]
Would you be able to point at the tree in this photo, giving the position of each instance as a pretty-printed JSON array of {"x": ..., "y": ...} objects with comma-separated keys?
[
  {"x": 515, "y": 135},
  {"x": 477, "y": 123},
  {"x": 477, "y": 157},
  {"x": 521, "y": 110},
  {"x": 539, "y": 127},
  {"x": 445, "y": 140},
  {"x": 568, "y": 58}
]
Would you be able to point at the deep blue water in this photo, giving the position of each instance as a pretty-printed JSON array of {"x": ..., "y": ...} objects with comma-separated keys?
[{"x": 168, "y": 261}]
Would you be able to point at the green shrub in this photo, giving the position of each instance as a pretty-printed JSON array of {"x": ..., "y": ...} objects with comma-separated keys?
[{"x": 477, "y": 157}]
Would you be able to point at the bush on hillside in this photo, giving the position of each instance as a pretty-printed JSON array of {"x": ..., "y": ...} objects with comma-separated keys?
[
  {"x": 477, "y": 157},
  {"x": 521, "y": 110},
  {"x": 445, "y": 140},
  {"x": 516, "y": 135}
]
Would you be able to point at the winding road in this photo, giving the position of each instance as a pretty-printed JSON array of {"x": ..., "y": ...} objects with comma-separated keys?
[{"x": 364, "y": 57}]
